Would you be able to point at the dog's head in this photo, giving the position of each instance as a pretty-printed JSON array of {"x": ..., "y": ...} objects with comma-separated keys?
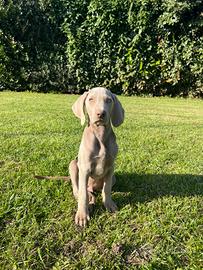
[{"x": 101, "y": 106}]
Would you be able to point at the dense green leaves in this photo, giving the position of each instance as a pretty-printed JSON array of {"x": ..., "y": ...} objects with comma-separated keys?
[
  {"x": 33, "y": 44},
  {"x": 149, "y": 46},
  {"x": 130, "y": 46}
]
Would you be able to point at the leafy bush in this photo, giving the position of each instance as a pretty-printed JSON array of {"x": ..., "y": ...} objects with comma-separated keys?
[
  {"x": 143, "y": 46},
  {"x": 131, "y": 46},
  {"x": 32, "y": 45}
]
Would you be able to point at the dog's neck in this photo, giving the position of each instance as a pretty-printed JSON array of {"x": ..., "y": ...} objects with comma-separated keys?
[{"x": 102, "y": 133}]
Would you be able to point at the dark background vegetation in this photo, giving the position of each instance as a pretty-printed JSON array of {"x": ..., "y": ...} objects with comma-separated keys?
[{"x": 131, "y": 46}]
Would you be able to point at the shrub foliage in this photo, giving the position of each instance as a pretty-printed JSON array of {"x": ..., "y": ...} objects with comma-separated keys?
[{"x": 130, "y": 46}]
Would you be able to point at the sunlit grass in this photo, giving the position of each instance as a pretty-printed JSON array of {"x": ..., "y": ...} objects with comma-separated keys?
[{"x": 159, "y": 187}]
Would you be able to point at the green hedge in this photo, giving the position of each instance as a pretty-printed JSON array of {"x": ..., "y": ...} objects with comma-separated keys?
[
  {"x": 133, "y": 47},
  {"x": 32, "y": 45}
]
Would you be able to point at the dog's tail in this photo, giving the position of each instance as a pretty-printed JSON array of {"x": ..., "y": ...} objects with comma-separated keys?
[{"x": 58, "y": 177}]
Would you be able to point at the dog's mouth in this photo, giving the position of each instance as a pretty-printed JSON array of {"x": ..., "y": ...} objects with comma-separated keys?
[{"x": 100, "y": 122}]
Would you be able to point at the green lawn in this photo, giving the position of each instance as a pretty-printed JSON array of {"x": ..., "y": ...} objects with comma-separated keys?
[{"x": 159, "y": 187}]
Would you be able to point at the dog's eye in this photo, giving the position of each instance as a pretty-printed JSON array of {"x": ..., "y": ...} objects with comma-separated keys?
[
  {"x": 91, "y": 99},
  {"x": 108, "y": 100}
]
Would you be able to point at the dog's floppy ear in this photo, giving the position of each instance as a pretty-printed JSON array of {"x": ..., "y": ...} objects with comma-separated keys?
[
  {"x": 117, "y": 114},
  {"x": 78, "y": 107}
]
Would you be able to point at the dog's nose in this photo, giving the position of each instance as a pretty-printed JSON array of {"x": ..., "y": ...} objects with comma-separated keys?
[{"x": 101, "y": 114}]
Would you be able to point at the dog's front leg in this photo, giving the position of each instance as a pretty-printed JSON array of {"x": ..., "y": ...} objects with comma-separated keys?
[
  {"x": 82, "y": 215},
  {"x": 106, "y": 194}
]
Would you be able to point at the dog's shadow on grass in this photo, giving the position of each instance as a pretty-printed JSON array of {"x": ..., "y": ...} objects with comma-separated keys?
[{"x": 131, "y": 188}]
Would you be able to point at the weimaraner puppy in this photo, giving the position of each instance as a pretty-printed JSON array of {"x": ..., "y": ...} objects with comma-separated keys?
[{"x": 94, "y": 167}]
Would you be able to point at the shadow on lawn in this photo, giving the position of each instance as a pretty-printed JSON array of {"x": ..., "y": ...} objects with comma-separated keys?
[{"x": 132, "y": 188}]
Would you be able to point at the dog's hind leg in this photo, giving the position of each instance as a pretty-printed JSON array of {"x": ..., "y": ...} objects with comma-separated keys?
[{"x": 74, "y": 175}]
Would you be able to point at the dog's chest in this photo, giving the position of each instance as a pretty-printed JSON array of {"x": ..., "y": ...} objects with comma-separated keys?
[{"x": 101, "y": 164}]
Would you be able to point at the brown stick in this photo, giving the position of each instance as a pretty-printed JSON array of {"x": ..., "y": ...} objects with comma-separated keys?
[{"x": 65, "y": 178}]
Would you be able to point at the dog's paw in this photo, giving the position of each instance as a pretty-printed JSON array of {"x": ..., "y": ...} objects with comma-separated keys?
[
  {"x": 82, "y": 218},
  {"x": 110, "y": 205}
]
